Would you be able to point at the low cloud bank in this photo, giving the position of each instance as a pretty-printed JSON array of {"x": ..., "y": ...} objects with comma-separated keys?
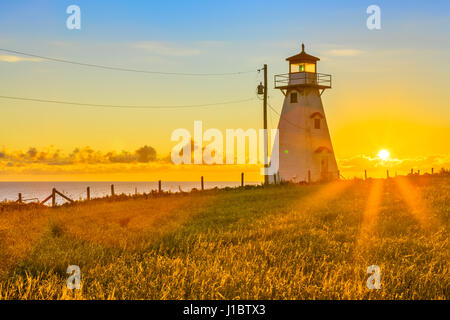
[
  {"x": 360, "y": 163},
  {"x": 144, "y": 160},
  {"x": 85, "y": 155}
]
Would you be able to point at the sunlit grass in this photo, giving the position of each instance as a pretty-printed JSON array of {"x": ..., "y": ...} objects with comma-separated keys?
[{"x": 284, "y": 242}]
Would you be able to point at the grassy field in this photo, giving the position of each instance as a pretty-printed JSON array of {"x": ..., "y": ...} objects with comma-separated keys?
[{"x": 277, "y": 242}]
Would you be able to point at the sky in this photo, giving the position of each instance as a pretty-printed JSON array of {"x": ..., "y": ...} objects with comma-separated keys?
[{"x": 390, "y": 87}]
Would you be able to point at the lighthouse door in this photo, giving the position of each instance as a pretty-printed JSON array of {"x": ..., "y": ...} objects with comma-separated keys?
[{"x": 324, "y": 168}]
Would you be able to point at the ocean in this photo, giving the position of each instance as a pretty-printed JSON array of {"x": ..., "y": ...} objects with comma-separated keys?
[{"x": 34, "y": 191}]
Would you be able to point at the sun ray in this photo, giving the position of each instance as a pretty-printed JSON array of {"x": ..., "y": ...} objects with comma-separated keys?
[
  {"x": 415, "y": 202},
  {"x": 325, "y": 194},
  {"x": 370, "y": 214},
  {"x": 314, "y": 201}
]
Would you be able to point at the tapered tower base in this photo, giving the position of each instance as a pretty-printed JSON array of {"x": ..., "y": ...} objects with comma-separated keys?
[{"x": 306, "y": 153}]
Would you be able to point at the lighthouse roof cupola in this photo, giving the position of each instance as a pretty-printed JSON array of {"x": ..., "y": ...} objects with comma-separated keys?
[
  {"x": 302, "y": 73},
  {"x": 302, "y": 62},
  {"x": 303, "y": 57}
]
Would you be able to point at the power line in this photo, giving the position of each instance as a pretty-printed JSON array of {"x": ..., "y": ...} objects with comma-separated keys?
[
  {"x": 124, "y": 69},
  {"x": 276, "y": 112},
  {"x": 283, "y": 118},
  {"x": 127, "y": 106}
]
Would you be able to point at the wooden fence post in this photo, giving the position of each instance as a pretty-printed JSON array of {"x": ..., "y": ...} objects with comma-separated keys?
[
  {"x": 432, "y": 170},
  {"x": 135, "y": 191},
  {"x": 418, "y": 172},
  {"x": 88, "y": 193},
  {"x": 20, "y": 198},
  {"x": 242, "y": 179},
  {"x": 365, "y": 174},
  {"x": 112, "y": 191},
  {"x": 412, "y": 171},
  {"x": 53, "y": 197},
  {"x": 387, "y": 174},
  {"x": 159, "y": 186},
  {"x": 202, "y": 183},
  {"x": 309, "y": 176}
]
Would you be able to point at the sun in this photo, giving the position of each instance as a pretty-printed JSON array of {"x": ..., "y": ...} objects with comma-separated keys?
[{"x": 383, "y": 154}]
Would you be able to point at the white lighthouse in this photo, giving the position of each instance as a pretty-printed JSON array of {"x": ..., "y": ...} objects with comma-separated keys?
[{"x": 305, "y": 149}]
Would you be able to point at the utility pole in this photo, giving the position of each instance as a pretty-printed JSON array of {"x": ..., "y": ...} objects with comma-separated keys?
[
  {"x": 262, "y": 89},
  {"x": 266, "y": 147}
]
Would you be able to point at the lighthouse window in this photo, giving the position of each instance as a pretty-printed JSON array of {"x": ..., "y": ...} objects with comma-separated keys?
[
  {"x": 297, "y": 67},
  {"x": 303, "y": 67},
  {"x": 310, "y": 67},
  {"x": 316, "y": 123},
  {"x": 294, "y": 97}
]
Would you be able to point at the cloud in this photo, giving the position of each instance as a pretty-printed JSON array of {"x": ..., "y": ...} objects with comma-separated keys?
[
  {"x": 146, "y": 154},
  {"x": 166, "y": 49},
  {"x": 212, "y": 44},
  {"x": 375, "y": 165},
  {"x": 345, "y": 52},
  {"x": 12, "y": 59},
  {"x": 32, "y": 152},
  {"x": 123, "y": 157},
  {"x": 85, "y": 155},
  {"x": 64, "y": 44}
]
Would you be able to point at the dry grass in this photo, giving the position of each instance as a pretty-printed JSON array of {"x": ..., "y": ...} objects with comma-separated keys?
[{"x": 284, "y": 242}]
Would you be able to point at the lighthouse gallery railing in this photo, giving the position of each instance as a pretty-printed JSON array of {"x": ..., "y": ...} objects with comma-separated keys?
[{"x": 303, "y": 79}]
